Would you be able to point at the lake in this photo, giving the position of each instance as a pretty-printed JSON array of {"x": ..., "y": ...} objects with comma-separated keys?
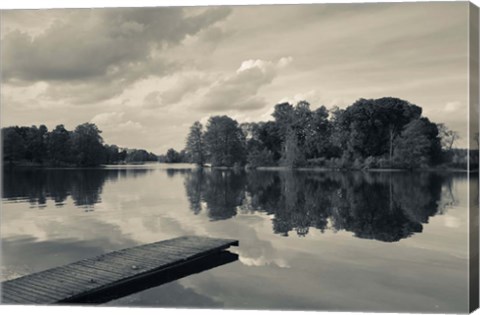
[{"x": 375, "y": 241}]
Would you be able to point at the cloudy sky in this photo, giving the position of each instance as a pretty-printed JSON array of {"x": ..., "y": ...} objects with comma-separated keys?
[{"x": 145, "y": 75}]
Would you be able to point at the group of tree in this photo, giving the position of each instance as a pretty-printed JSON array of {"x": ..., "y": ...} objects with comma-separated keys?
[
  {"x": 173, "y": 156},
  {"x": 84, "y": 146},
  {"x": 371, "y": 133}
]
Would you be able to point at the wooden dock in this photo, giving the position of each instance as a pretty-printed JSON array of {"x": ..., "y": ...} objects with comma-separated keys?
[{"x": 120, "y": 273}]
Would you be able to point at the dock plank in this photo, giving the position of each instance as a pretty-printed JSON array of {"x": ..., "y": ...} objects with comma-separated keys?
[{"x": 92, "y": 276}]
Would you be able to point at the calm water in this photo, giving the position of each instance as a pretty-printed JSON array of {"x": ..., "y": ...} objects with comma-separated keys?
[{"x": 308, "y": 240}]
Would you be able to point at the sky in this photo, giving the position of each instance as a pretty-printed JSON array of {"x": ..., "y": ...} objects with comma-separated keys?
[{"x": 144, "y": 75}]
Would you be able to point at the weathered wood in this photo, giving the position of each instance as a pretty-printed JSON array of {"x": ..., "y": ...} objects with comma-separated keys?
[{"x": 89, "y": 279}]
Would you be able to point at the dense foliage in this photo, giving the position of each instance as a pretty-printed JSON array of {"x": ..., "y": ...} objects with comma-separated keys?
[
  {"x": 374, "y": 133},
  {"x": 83, "y": 146}
]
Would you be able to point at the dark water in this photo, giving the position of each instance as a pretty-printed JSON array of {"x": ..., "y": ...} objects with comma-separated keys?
[{"x": 308, "y": 240}]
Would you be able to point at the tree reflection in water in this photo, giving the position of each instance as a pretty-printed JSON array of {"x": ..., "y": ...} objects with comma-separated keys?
[
  {"x": 83, "y": 185},
  {"x": 382, "y": 206}
]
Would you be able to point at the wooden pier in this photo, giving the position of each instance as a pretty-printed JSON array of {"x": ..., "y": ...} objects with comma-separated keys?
[{"x": 120, "y": 273}]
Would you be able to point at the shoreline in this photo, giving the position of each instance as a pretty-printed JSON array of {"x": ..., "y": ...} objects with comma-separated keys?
[{"x": 261, "y": 168}]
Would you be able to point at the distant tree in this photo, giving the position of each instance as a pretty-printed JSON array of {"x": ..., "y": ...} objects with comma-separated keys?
[
  {"x": 59, "y": 145},
  {"x": 35, "y": 143},
  {"x": 122, "y": 155},
  {"x": 152, "y": 157},
  {"x": 112, "y": 154},
  {"x": 195, "y": 146},
  {"x": 283, "y": 114},
  {"x": 82, "y": 147},
  {"x": 370, "y": 127},
  {"x": 318, "y": 134},
  {"x": 447, "y": 136},
  {"x": 224, "y": 141},
  {"x": 270, "y": 136},
  {"x": 414, "y": 146},
  {"x": 87, "y": 145},
  {"x": 139, "y": 155},
  {"x": 172, "y": 156},
  {"x": 292, "y": 154},
  {"x": 13, "y": 144},
  {"x": 256, "y": 158}
]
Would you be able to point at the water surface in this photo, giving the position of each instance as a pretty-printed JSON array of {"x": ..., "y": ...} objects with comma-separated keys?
[{"x": 308, "y": 240}]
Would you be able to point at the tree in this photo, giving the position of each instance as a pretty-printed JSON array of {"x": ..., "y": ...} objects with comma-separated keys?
[
  {"x": 318, "y": 136},
  {"x": 256, "y": 158},
  {"x": 172, "y": 156},
  {"x": 224, "y": 141},
  {"x": 13, "y": 144},
  {"x": 447, "y": 136},
  {"x": 292, "y": 155},
  {"x": 414, "y": 146},
  {"x": 35, "y": 143},
  {"x": 370, "y": 127},
  {"x": 112, "y": 154},
  {"x": 195, "y": 146},
  {"x": 269, "y": 135},
  {"x": 58, "y": 145},
  {"x": 87, "y": 145},
  {"x": 138, "y": 155},
  {"x": 396, "y": 113},
  {"x": 283, "y": 114}
]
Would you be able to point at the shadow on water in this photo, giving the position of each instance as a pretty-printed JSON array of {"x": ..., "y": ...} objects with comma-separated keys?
[
  {"x": 382, "y": 206},
  {"x": 152, "y": 280},
  {"x": 84, "y": 186}
]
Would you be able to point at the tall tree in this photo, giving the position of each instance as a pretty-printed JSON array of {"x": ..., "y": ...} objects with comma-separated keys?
[
  {"x": 415, "y": 147},
  {"x": 195, "y": 146},
  {"x": 283, "y": 114},
  {"x": 13, "y": 144},
  {"x": 371, "y": 126},
  {"x": 292, "y": 155},
  {"x": 224, "y": 141},
  {"x": 318, "y": 135},
  {"x": 87, "y": 145},
  {"x": 172, "y": 156},
  {"x": 58, "y": 145}
]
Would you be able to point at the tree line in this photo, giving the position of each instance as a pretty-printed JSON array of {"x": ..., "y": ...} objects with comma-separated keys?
[
  {"x": 371, "y": 133},
  {"x": 84, "y": 146}
]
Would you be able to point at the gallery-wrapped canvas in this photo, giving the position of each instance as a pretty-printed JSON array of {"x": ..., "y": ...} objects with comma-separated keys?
[{"x": 271, "y": 157}]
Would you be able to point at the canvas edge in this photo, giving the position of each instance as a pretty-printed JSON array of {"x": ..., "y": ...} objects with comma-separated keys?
[{"x": 473, "y": 118}]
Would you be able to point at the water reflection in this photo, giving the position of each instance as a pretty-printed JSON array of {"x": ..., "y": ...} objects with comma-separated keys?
[
  {"x": 142, "y": 204},
  {"x": 84, "y": 186},
  {"x": 382, "y": 206}
]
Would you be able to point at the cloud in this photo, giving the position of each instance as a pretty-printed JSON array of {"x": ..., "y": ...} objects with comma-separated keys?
[
  {"x": 115, "y": 120},
  {"x": 183, "y": 86},
  {"x": 451, "y": 107},
  {"x": 153, "y": 100},
  {"x": 239, "y": 91},
  {"x": 95, "y": 54}
]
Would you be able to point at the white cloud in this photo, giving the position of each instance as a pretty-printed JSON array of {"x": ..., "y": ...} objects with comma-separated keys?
[
  {"x": 107, "y": 118},
  {"x": 239, "y": 90},
  {"x": 451, "y": 107},
  {"x": 185, "y": 84},
  {"x": 115, "y": 121},
  {"x": 153, "y": 100}
]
